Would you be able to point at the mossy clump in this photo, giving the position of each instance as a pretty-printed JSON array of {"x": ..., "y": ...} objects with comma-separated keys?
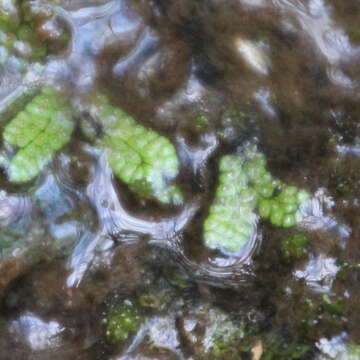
[
  {"x": 179, "y": 279},
  {"x": 279, "y": 348},
  {"x": 246, "y": 185},
  {"x": 18, "y": 36},
  {"x": 41, "y": 129},
  {"x": 295, "y": 246},
  {"x": 234, "y": 125},
  {"x": 334, "y": 305},
  {"x": 141, "y": 158},
  {"x": 225, "y": 337},
  {"x": 9, "y": 14},
  {"x": 50, "y": 29},
  {"x": 231, "y": 220},
  {"x": 276, "y": 201},
  {"x": 200, "y": 122},
  {"x": 122, "y": 320},
  {"x": 227, "y": 342},
  {"x": 28, "y": 30}
]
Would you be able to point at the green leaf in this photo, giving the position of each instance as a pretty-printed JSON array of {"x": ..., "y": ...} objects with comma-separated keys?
[
  {"x": 139, "y": 157},
  {"x": 232, "y": 220},
  {"x": 41, "y": 129}
]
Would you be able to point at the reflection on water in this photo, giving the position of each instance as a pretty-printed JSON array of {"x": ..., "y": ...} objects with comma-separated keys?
[
  {"x": 289, "y": 68},
  {"x": 319, "y": 273},
  {"x": 40, "y": 335}
]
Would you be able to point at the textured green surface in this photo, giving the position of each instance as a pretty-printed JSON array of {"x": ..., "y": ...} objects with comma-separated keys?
[
  {"x": 275, "y": 201},
  {"x": 295, "y": 246},
  {"x": 122, "y": 320},
  {"x": 277, "y": 347},
  {"x": 42, "y": 128},
  {"x": 226, "y": 339},
  {"x": 28, "y": 31},
  {"x": 232, "y": 219},
  {"x": 140, "y": 157},
  {"x": 244, "y": 186},
  {"x": 20, "y": 41}
]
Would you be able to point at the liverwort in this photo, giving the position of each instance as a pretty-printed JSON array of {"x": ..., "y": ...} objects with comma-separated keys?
[
  {"x": 41, "y": 129},
  {"x": 144, "y": 160}
]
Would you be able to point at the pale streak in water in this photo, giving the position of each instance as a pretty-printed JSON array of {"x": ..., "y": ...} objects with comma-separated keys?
[
  {"x": 317, "y": 216},
  {"x": 114, "y": 219},
  {"x": 13, "y": 208},
  {"x": 319, "y": 273},
  {"x": 39, "y": 334}
]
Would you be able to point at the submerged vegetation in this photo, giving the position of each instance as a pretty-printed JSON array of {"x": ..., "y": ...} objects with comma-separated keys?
[
  {"x": 41, "y": 129},
  {"x": 148, "y": 163},
  {"x": 243, "y": 186},
  {"x": 140, "y": 157},
  {"x": 121, "y": 321},
  {"x": 153, "y": 165},
  {"x": 231, "y": 221},
  {"x": 295, "y": 246},
  {"x": 275, "y": 201},
  {"x": 20, "y": 40}
]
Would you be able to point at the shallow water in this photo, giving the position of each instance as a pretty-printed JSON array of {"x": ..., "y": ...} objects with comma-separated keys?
[{"x": 76, "y": 241}]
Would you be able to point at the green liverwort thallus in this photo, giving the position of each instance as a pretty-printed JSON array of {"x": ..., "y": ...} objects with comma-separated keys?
[
  {"x": 139, "y": 157},
  {"x": 246, "y": 185},
  {"x": 232, "y": 219},
  {"x": 41, "y": 129}
]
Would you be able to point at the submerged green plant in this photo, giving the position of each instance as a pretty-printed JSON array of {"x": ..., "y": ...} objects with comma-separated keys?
[
  {"x": 295, "y": 246},
  {"x": 334, "y": 305},
  {"x": 275, "y": 201},
  {"x": 278, "y": 348},
  {"x": 17, "y": 35},
  {"x": 200, "y": 122},
  {"x": 41, "y": 129},
  {"x": 28, "y": 29},
  {"x": 121, "y": 321},
  {"x": 226, "y": 340},
  {"x": 244, "y": 186},
  {"x": 139, "y": 157},
  {"x": 232, "y": 218}
]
